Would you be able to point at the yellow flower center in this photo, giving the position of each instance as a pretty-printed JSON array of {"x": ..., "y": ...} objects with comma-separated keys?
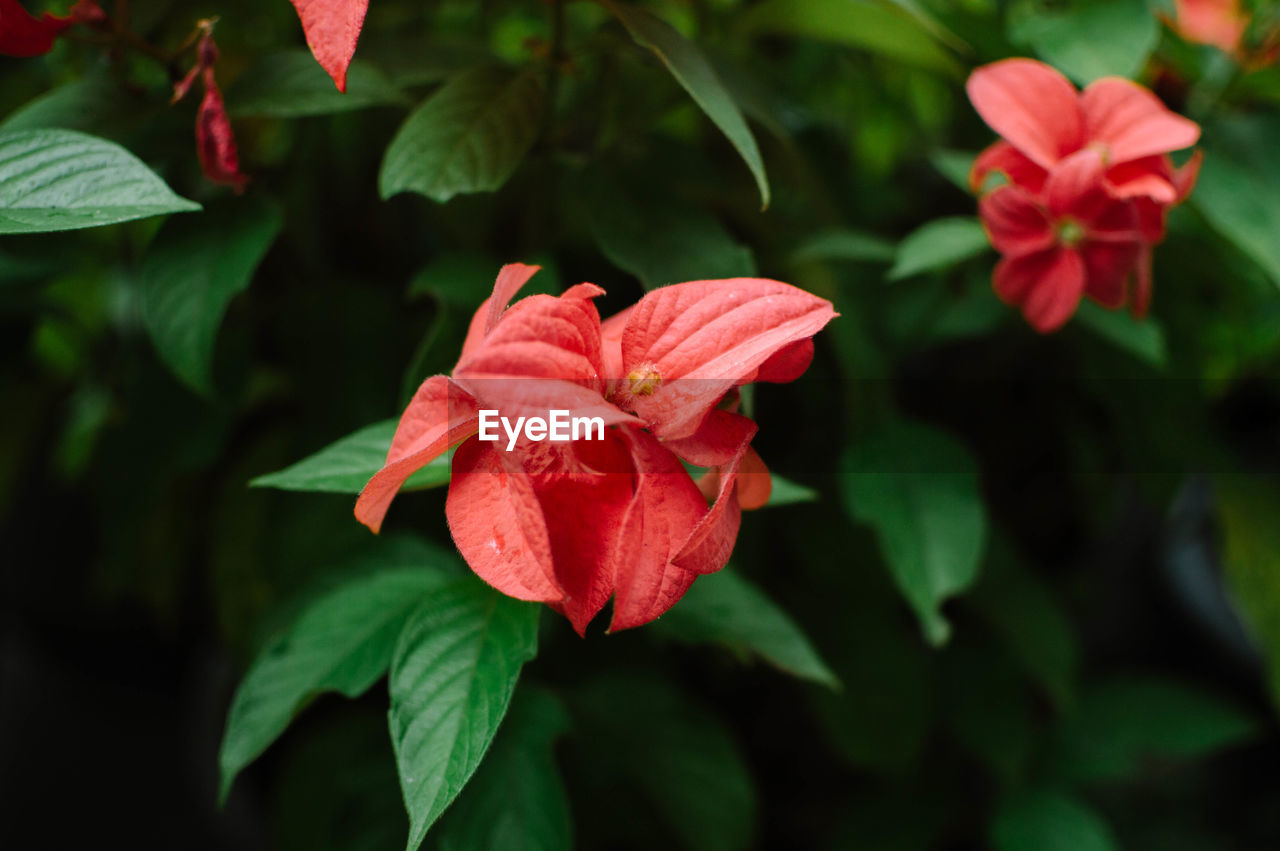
[
  {"x": 1070, "y": 232},
  {"x": 644, "y": 379}
]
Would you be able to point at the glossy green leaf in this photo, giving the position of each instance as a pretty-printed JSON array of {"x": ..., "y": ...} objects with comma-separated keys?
[
  {"x": 516, "y": 798},
  {"x": 691, "y": 69},
  {"x": 1143, "y": 338},
  {"x": 918, "y": 488},
  {"x": 938, "y": 245},
  {"x": 341, "y": 641},
  {"x": 725, "y": 608},
  {"x": 347, "y": 465},
  {"x": 1124, "y": 721},
  {"x": 468, "y": 136},
  {"x": 868, "y": 25},
  {"x": 847, "y": 245},
  {"x": 53, "y": 180},
  {"x": 954, "y": 166},
  {"x": 292, "y": 85},
  {"x": 684, "y": 766},
  {"x": 1093, "y": 39},
  {"x": 452, "y": 677},
  {"x": 99, "y": 106},
  {"x": 1037, "y": 820},
  {"x": 192, "y": 271},
  {"x": 787, "y": 492},
  {"x": 660, "y": 240},
  {"x": 1239, "y": 193}
]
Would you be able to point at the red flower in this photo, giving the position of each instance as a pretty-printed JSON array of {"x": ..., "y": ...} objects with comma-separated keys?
[
  {"x": 25, "y": 36},
  {"x": 1089, "y": 183},
  {"x": 1044, "y": 120},
  {"x": 332, "y": 28},
  {"x": 1220, "y": 23},
  {"x": 574, "y": 523},
  {"x": 215, "y": 141}
]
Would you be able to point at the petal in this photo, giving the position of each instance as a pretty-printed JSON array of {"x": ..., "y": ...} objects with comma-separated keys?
[
  {"x": 215, "y": 141},
  {"x": 1031, "y": 105},
  {"x": 585, "y": 514},
  {"x": 332, "y": 28},
  {"x": 710, "y": 544},
  {"x": 1003, "y": 158},
  {"x": 1047, "y": 286},
  {"x": 611, "y": 331},
  {"x": 717, "y": 441},
  {"x": 1015, "y": 223},
  {"x": 1149, "y": 220},
  {"x": 1142, "y": 283},
  {"x": 511, "y": 278},
  {"x": 754, "y": 483},
  {"x": 1148, "y": 177},
  {"x": 788, "y": 363},
  {"x": 1108, "y": 266},
  {"x": 497, "y": 523},
  {"x": 1220, "y": 23},
  {"x": 1184, "y": 178},
  {"x": 1075, "y": 187},
  {"x": 439, "y": 416},
  {"x": 23, "y": 35},
  {"x": 664, "y": 511},
  {"x": 1132, "y": 122},
  {"x": 701, "y": 338}
]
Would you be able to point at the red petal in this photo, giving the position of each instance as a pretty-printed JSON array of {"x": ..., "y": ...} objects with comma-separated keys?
[
  {"x": 332, "y": 28},
  {"x": 439, "y": 416},
  {"x": 1108, "y": 266},
  {"x": 1142, "y": 283},
  {"x": 1184, "y": 179},
  {"x": 717, "y": 441},
  {"x": 1148, "y": 177},
  {"x": 215, "y": 142},
  {"x": 702, "y": 338},
  {"x": 664, "y": 511},
  {"x": 1015, "y": 223},
  {"x": 497, "y": 522},
  {"x": 23, "y": 35},
  {"x": 710, "y": 544},
  {"x": 611, "y": 331},
  {"x": 1005, "y": 159},
  {"x": 1220, "y": 23},
  {"x": 1031, "y": 105},
  {"x": 1047, "y": 286},
  {"x": 1075, "y": 187},
  {"x": 788, "y": 363},
  {"x": 511, "y": 278},
  {"x": 754, "y": 483},
  {"x": 1132, "y": 122}
]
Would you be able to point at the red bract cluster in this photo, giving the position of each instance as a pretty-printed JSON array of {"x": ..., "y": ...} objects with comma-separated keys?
[
  {"x": 215, "y": 142},
  {"x": 1224, "y": 25},
  {"x": 574, "y": 523},
  {"x": 1088, "y": 185},
  {"x": 23, "y": 35},
  {"x": 332, "y": 28}
]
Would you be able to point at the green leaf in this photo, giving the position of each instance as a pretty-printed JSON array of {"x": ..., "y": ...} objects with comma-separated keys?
[
  {"x": 954, "y": 166},
  {"x": 96, "y": 105},
  {"x": 1239, "y": 193},
  {"x": 938, "y": 245},
  {"x": 1092, "y": 39},
  {"x": 342, "y": 641},
  {"x": 727, "y": 609},
  {"x": 292, "y": 85},
  {"x": 869, "y": 25},
  {"x": 347, "y": 465},
  {"x": 1124, "y": 721},
  {"x": 452, "y": 677},
  {"x": 927, "y": 20},
  {"x": 682, "y": 759},
  {"x": 469, "y": 136},
  {"x": 918, "y": 488},
  {"x": 1040, "y": 820},
  {"x": 843, "y": 244},
  {"x": 516, "y": 798},
  {"x": 787, "y": 492},
  {"x": 1143, "y": 338},
  {"x": 1247, "y": 510},
  {"x": 660, "y": 240},
  {"x": 52, "y": 180},
  {"x": 192, "y": 271},
  {"x": 692, "y": 71}
]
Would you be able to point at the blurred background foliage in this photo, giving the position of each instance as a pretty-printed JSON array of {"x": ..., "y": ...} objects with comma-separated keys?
[{"x": 1092, "y": 659}]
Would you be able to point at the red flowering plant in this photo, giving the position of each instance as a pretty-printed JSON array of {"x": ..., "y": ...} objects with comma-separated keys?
[
  {"x": 1088, "y": 183},
  {"x": 574, "y": 523}
]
